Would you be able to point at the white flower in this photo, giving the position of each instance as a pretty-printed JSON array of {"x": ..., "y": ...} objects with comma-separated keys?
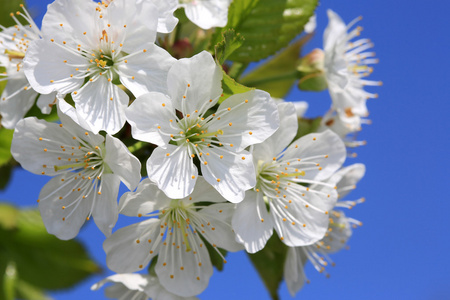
[
  {"x": 18, "y": 96},
  {"x": 183, "y": 127},
  {"x": 136, "y": 287},
  {"x": 335, "y": 239},
  {"x": 346, "y": 66},
  {"x": 89, "y": 48},
  {"x": 87, "y": 171},
  {"x": 176, "y": 236},
  {"x": 207, "y": 13},
  {"x": 298, "y": 213}
]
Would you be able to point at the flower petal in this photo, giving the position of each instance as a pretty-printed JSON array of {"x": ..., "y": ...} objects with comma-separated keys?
[
  {"x": 184, "y": 273},
  {"x": 46, "y": 71},
  {"x": 102, "y": 104},
  {"x": 63, "y": 210},
  {"x": 36, "y": 155},
  {"x": 123, "y": 252},
  {"x": 219, "y": 232},
  {"x": 229, "y": 173},
  {"x": 278, "y": 141},
  {"x": 148, "y": 112},
  {"x": 147, "y": 71},
  {"x": 207, "y": 14},
  {"x": 175, "y": 173},
  {"x": 123, "y": 164},
  {"x": 252, "y": 118},
  {"x": 325, "y": 149},
  {"x": 105, "y": 211},
  {"x": 248, "y": 225},
  {"x": 147, "y": 198},
  {"x": 21, "y": 99},
  {"x": 46, "y": 102},
  {"x": 294, "y": 274},
  {"x": 193, "y": 82}
]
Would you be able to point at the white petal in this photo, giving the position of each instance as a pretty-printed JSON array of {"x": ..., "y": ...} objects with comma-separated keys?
[
  {"x": 45, "y": 102},
  {"x": 147, "y": 198},
  {"x": 347, "y": 178},
  {"x": 175, "y": 174},
  {"x": 327, "y": 148},
  {"x": 219, "y": 216},
  {"x": 258, "y": 116},
  {"x": 230, "y": 175},
  {"x": 248, "y": 225},
  {"x": 185, "y": 273},
  {"x": 335, "y": 31},
  {"x": 300, "y": 107},
  {"x": 93, "y": 102},
  {"x": 146, "y": 71},
  {"x": 294, "y": 274},
  {"x": 105, "y": 211},
  {"x": 37, "y": 156},
  {"x": 123, "y": 164},
  {"x": 207, "y": 14},
  {"x": 282, "y": 137},
  {"x": 199, "y": 79},
  {"x": 295, "y": 233},
  {"x": 130, "y": 281},
  {"x": 203, "y": 192},
  {"x": 148, "y": 112},
  {"x": 51, "y": 207},
  {"x": 76, "y": 17},
  {"x": 15, "y": 108},
  {"x": 166, "y": 20},
  {"x": 46, "y": 71},
  {"x": 123, "y": 252}
]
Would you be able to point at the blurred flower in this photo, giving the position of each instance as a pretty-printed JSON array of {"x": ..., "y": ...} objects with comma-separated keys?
[{"x": 347, "y": 65}]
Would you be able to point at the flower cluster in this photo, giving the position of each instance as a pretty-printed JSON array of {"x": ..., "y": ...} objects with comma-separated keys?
[{"x": 226, "y": 169}]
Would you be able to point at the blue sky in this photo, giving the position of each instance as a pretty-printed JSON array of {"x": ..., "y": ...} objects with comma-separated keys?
[{"x": 401, "y": 251}]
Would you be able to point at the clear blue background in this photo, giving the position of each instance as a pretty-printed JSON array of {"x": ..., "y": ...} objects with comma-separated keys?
[{"x": 402, "y": 251}]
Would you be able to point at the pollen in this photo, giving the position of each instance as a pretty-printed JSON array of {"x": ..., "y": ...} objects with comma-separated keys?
[{"x": 218, "y": 179}]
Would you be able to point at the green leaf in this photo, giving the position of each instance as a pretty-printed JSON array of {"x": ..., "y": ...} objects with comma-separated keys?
[
  {"x": 231, "y": 41},
  {"x": 267, "y": 25},
  {"x": 277, "y": 75},
  {"x": 270, "y": 263},
  {"x": 42, "y": 260},
  {"x": 306, "y": 126},
  {"x": 231, "y": 87},
  {"x": 6, "y": 136}
]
